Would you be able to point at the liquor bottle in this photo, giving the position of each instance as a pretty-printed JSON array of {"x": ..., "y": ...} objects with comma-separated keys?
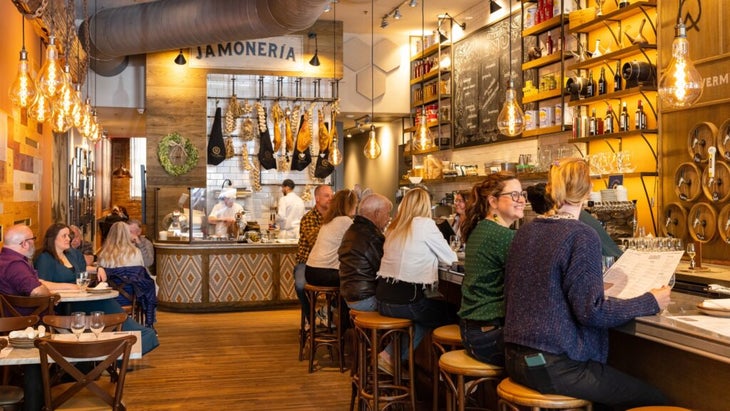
[
  {"x": 549, "y": 44},
  {"x": 602, "y": 83},
  {"x": 608, "y": 122},
  {"x": 623, "y": 119},
  {"x": 640, "y": 117},
  {"x": 617, "y": 77},
  {"x": 592, "y": 123},
  {"x": 591, "y": 85},
  {"x": 597, "y": 50},
  {"x": 623, "y": 3}
]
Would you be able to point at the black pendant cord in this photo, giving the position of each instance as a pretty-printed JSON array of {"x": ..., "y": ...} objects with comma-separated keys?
[{"x": 372, "y": 63}]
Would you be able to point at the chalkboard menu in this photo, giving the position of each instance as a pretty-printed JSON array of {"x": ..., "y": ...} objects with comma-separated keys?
[{"x": 481, "y": 72}]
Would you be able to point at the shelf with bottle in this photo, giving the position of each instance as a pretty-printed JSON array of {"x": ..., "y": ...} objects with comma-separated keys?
[
  {"x": 546, "y": 130},
  {"x": 621, "y": 13},
  {"x": 553, "y": 22},
  {"x": 614, "y": 95},
  {"x": 430, "y": 51},
  {"x": 543, "y": 61},
  {"x": 632, "y": 50},
  {"x": 429, "y": 124}
]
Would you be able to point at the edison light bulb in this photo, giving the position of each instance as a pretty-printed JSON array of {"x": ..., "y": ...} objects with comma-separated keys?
[
  {"x": 335, "y": 155},
  {"x": 40, "y": 110},
  {"x": 59, "y": 120},
  {"x": 372, "y": 148},
  {"x": 423, "y": 138},
  {"x": 23, "y": 90},
  {"x": 77, "y": 112},
  {"x": 681, "y": 84},
  {"x": 66, "y": 94},
  {"x": 50, "y": 78},
  {"x": 511, "y": 120}
]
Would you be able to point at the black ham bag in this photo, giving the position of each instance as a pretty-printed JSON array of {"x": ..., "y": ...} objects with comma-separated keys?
[
  {"x": 266, "y": 150},
  {"x": 216, "y": 145},
  {"x": 323, "y": 167}
]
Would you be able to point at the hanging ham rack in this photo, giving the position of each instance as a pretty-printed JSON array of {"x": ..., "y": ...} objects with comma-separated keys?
[{"x": 298, "y": 95}]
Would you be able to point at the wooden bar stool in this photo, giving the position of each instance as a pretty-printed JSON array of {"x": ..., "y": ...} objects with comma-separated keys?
[
  {"x": 354, "y": 376},
  {"x": 659, "y": 408},
  {"x": 374, "y": 332},
  {"x": 512, "y": 395},
  {"x": 331, "y": 335},
  {"x": 443, "y": 339},
  {"x": 460, "y": 364}
]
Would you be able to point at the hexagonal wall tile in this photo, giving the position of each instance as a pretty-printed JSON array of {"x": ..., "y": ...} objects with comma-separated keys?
[
  {"x": 356, "y": 54},
  {"x": 364, "y": 83},
  {"x": 386, "y": 55}
]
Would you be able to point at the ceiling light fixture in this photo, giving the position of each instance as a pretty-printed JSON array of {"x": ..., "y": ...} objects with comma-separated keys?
[
  {"x": 511, "y": 120},
  {"x": 372, "y": 148},
  {"x": 327, "y": 8},
  {"x": 384, "y": 22},
  {"x": 23, "y": 91},
  {"x": 681, "y": 84},
  {"x": 412, "y": 3},
  {"x": 314, "y": 61},
  {"x": 397, "y": 15},
  {"x": 335, "y": 155},
  {"x": 423, "y": 139},
  {"x": 180, "y": 59}
]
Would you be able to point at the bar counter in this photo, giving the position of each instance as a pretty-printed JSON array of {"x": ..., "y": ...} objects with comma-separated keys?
[
  {"x": 224, "y": 276},
  {"x": 690, "y": 364}
]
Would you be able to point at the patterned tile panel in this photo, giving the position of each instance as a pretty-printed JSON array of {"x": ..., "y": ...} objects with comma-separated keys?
[
  {"x": 183, "y": 274},
  {"x": 286, "y": 284},
  {"x": 249, "y": 277}
]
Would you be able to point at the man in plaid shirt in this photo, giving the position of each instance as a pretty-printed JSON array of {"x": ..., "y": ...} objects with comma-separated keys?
[{"x": 308, "y": 230}]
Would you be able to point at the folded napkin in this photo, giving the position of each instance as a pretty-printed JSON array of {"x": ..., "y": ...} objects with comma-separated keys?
[
  {"x": 719, "y": 304},
  {"x": 718, "y": 289},
  {"x": 101, "y": 286}
]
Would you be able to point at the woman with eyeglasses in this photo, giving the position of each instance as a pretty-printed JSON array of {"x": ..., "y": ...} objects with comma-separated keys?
[
  {"x": 57, "y": 261},
  {"x": 557, "y": 317},
  {"x": 497, "y": 202}
]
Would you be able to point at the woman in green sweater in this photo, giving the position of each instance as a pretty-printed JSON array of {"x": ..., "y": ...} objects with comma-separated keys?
[{"x": 496, "y": 203}]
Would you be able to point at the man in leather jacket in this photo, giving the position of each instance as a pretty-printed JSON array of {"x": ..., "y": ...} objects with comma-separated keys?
[{"x": 361, "y": 250}]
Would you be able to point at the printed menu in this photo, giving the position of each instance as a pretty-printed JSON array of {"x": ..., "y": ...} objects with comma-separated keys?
[{"x": 637, "y": 272}]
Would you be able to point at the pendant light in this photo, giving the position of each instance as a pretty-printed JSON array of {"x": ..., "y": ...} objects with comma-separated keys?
[
  {"x": 681, "y": 84},
  {"x": 423, "y": 138},
  {"x": 335, "y": 155},
  {"x": 41, "y": 108},
  {"x": 372, "y": 148},
  {"x": 50, "y": 78},
  {"x": 511, "y": 120},
  {"x": 23, "y": 91}
]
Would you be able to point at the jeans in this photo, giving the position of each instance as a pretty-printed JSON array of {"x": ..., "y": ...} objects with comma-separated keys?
[
  {"x": 299, "y": 281},
  {"x": 368, "y": 304},
  {"x": 605, "y": 386},
  {"x": 426, "y": 314},
  {"x": 483, "y": 341}
]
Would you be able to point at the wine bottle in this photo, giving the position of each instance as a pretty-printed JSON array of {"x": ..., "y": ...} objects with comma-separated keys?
[
  {"x": 591, "y": 85},
  {"x": 592, "y": 124},
  {"x": 623, "y": 3},
  {"x": 640, "y": 117},
  {"x": 608, "y": 122},
  {"x": 602, "y": 83},
  {"x": 549, "y": 44},
  {"x": 623, "y": 119},
  {"x": 617, "y": 77}
]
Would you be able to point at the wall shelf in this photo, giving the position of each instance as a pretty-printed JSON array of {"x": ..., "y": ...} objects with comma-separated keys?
[
  {"x": 546, "y": 25},
  {"x": 612, "y": 56},
  {"x": 617, "y": 15}
]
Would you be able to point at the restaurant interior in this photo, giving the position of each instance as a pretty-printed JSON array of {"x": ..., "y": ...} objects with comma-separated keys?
[{"x": 161, "y": 107}]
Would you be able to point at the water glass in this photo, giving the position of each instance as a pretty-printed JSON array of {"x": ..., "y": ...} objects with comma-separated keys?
[
  {"x": 607, "y": 261},
  {"x": 455, "y": 243},
  {"x": 78, "y": 324},
  {"x": 96, "y": 323},
  {"x": 82, "y": 280}
]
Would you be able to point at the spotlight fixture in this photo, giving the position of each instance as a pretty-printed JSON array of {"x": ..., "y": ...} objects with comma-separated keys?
[
  {"x": 494, "y": 7},
  {"x": 180, "y": 59},
  {"x": 327, "y": 8},
  {"x": 397, "y": 15},
  {"x": 315, "y": 59},
  {"x": 384, "y": 23},
  {"x": 412, "y": 3}
]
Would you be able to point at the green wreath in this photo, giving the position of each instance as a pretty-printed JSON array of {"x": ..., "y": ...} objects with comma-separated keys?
[{"x": 177, "y": 154}]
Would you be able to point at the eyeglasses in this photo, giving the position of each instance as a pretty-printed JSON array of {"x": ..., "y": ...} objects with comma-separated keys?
[
  {"x": 28, "y": 239},
  {"x": 516, "y": 195}
]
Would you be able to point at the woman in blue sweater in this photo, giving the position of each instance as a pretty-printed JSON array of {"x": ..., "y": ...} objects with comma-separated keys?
[{"x": 557, "y": 318}]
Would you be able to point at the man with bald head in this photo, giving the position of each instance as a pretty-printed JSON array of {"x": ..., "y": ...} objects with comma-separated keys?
[{"x": 361, "y": 251}]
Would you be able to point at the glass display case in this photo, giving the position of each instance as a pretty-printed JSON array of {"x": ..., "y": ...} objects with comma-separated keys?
[{"x": 181, "y": 214}]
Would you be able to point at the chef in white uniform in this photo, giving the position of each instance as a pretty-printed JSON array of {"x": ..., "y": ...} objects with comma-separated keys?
[
  {"x": 289, "y": 211},
  {"x": 224, "y": 213}
]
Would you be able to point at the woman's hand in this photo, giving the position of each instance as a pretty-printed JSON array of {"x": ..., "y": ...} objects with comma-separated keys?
[
  {"x": 100, "y": 275},
  {"x": 662, "y": 296}
]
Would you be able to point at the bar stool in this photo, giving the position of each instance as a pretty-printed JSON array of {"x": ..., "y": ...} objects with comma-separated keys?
[
  {"x": 512, "y": 395},
  {"x": 460, "y": 364},
  {"x": 331, "y": 336},
  {"x": 354, "y": 370},
  {"x": 659, "y": 408},
  {"x": 443, "y": 339},
  {"x": 374, "y": 332}
]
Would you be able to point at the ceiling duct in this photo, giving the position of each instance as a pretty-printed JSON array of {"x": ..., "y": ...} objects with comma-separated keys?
[{"x": 174, "y": 24}]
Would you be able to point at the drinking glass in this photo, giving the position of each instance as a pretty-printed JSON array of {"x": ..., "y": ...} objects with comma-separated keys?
[
  {"x": 607, "y": 262},
  {"x": 96, "y": 323},
  {"x": 455, "y": 243},
  {"x": 691, "y": 253},
  {"x": 78, "y": 324},
  {"x": 82, "y": 280},
  {"x": 599, "y": 7}
]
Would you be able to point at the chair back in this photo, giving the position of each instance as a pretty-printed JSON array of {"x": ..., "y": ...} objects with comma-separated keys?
[
  {"x": 62, "y": 323},
  {"x": 125, "y": 281},
  {"x": 8, "y": 324},
  {"x": 19, "y": 305},
  {"x": 110, "y": 350}
]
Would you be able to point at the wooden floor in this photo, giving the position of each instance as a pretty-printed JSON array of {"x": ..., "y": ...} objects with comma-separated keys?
[{"x": 232, "y": 361}]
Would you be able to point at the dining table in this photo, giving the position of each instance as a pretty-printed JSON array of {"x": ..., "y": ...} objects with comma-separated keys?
[
  {"x": 23, "y": 356},
  {"x": 73, "y": 296}
]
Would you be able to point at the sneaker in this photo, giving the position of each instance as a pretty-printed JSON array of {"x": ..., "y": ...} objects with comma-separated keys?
[
  {"x": 384, "y": 363},
  {"x": 323, "y": 316}
]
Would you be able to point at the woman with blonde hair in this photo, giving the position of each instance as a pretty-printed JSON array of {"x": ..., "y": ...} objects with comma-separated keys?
[
  {"x": 557, "y": 317},
  {"x": 118, "y": 249},
  {"x": 413, "y": 248},
  {"x": 323, "y": 263}
]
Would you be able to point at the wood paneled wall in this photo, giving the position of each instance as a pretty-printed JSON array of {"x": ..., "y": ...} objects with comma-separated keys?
[{"x": 709, "y": 41}]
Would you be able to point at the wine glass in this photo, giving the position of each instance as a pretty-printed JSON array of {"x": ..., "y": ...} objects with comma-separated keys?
[
  {"x": 455, "y": 243},
  {"x": 82, "y": 280},
  {"x": 78, "y": 324},
  {"x": 96, "y": 323},
  {"x": 691, "y": 253}
]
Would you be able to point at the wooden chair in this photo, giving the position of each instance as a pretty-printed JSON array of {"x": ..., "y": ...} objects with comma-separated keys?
[
  {"x": 62, "y": 323},
  {"x": 134, "y": 309},
  {"x": 89, "y": 392},
  {"x": 41, "y": 305},
  {"x": 11, "y": 396}
]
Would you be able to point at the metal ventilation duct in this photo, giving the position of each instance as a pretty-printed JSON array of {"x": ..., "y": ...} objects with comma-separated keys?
[{"x": 116, "y": 33}]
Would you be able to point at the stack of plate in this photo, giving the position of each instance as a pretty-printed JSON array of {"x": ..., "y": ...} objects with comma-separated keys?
[
  {"x": 22, "y": 342},
  {"x": 717, "y": 308},
  {"x": 608, "y": 195}
]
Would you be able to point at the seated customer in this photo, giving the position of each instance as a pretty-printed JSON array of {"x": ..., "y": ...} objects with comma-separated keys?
[
  {"x": 121, "y": 262},
  {"x": 541, "y": 204},
  {"x": 142, "y": 243},
  {"x": 85, "y": 247},
  {"x": 498, "y": 202},
  {"x": 323, "y": 264},
  {"x": 557, "y": 316},
  {"x": 360, "y": 253},
  {"x": 54, "y": 265}
]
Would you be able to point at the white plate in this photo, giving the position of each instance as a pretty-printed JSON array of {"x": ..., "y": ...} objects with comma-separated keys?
[{"x": 713, "y": 312}]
